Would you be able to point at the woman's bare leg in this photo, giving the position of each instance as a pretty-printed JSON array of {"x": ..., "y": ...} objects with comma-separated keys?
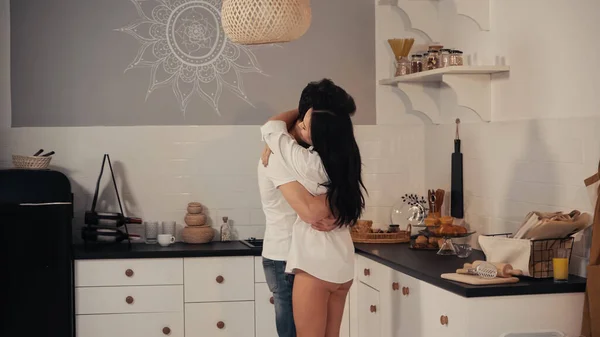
[
  {"x": 310, "y": 297},
  {"x": 335, "y": 309}
]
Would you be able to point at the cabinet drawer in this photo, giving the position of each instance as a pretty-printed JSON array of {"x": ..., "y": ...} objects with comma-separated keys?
[
  {"x": 128, "y": 272},
  {"x": 370, "y": 272},
  {"x": 114, "y": 300},
  {"x": 131, "y": 325},
  {"x": 215, "y": 279},
  {"x": 265, "y": 311},
  {"x": 227, "y": 319},
  {"x": 259, "y": 271}
]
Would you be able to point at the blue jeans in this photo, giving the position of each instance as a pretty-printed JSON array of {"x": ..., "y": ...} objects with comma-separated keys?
[{"x": 280, "y": 284}]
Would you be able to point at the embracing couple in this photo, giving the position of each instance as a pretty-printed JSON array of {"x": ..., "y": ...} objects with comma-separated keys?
[{"x": 312, "y": 192}]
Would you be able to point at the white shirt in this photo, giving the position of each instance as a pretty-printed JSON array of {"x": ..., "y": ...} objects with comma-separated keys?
[
  {"x": 279, "y": 215},
  {"x": 328, "y": 256}
]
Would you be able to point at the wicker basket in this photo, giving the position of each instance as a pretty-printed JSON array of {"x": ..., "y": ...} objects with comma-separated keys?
[
  {"x": 195, "y": 219},
  {"x": 31, "y": 162},
  {"x": 265, "y": 21},
  {"x": 198, "y": 234},
  {"x": 399, "y": 237}
]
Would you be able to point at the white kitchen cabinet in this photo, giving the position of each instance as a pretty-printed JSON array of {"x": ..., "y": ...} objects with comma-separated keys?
[
  {"x": 369, "y": 311},
  {"x": 264, "y": 311},
  {"x": 409, "y": 307},
  {"x": 216, "y": 279},
  {"x": 131, "y": 325},
  {"x": 221, "y": 319}
]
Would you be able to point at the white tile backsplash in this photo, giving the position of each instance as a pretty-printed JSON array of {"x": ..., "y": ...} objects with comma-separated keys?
[
  {"x": 512, "y": 168},
  {"x": 160, "y": 169}
]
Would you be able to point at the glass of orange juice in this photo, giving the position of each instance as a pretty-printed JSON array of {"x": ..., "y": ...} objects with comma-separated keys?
[{"x": 560, "y": 263}]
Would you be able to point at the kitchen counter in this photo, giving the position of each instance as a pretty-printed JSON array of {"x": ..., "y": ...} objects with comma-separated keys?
[
  {"x": 427, "y": 266},
  {"x": 142, "y": 250}
]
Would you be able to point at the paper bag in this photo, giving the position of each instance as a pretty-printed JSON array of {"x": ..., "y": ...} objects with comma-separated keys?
[{"x": 516, "y": 252}]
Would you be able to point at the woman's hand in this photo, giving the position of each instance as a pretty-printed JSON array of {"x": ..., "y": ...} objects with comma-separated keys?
[
  {"x": 265, "y": 155},
  {"x": 325, "y": 225}
]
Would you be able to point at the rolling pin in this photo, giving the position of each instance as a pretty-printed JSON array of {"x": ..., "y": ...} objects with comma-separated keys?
[{"x": 504, "y": 269}]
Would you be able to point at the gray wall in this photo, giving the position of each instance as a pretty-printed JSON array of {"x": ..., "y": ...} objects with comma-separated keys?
[{"x": 70, "y": 60}]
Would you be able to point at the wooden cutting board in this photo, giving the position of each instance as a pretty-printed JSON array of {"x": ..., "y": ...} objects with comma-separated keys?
[{"x": 478, "y": 281}]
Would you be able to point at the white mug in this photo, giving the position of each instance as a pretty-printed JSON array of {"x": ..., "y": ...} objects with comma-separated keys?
[{"x": 165, "y": 239}]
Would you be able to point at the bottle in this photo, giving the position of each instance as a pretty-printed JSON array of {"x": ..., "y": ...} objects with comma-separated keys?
[
  {"x": 106, "y": 235},
  {"x": 225, "y": 230},
  {"x": 109, "y": 219}
]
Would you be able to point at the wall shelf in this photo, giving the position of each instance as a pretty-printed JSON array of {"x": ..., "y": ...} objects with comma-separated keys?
[{"x": 472, "y": 85}]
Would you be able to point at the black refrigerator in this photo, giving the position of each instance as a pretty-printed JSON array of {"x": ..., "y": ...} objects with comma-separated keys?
[{"x": 36, "y": 212}]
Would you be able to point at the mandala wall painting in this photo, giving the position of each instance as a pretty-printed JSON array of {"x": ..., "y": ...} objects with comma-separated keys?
[{"x": 183, "y": 44}]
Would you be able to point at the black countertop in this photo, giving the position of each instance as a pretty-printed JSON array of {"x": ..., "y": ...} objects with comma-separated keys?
[
  {"x": 428, "y": 266},
  {"x": 141, "y": 250}
]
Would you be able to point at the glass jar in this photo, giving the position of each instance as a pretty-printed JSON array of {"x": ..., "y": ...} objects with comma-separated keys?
[
  {"x": 444, "y": 58},
  {"x": 403, "y": 66},
  {"x": 433, "y": 57},
  {"x": 416, "y": 63},
  {"x": 456, "y": 58}
]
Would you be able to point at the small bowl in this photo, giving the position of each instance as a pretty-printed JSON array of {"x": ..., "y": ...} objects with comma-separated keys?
[
  {"x": 194, "y": 208},
  {"x": 195, "y": 219}
]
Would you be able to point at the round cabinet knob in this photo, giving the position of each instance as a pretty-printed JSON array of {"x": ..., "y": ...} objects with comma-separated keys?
[
  {"x": 373, "y": 308},
  {"x": 367, "y": 272},
  {"x": 129, "y": 299},
  {"x": 220, "y": 325},
  {"x": 129, "y": 273},
  {"x": 220, "y": 279},
  {"x": 395, "y": 286},
  {"x": 166, "y": 330},
  {"x": 444, "y": 320},
  {"x": 272, "y": 300}
]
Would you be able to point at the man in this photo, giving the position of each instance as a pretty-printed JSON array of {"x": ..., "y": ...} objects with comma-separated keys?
[{"x": 275, "y": 181}]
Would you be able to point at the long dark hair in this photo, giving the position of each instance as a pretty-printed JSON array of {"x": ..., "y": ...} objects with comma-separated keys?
[{"x": 333, "y": 138}]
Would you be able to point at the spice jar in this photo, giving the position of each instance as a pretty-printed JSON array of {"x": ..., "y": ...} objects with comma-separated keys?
[
  {"x": 416, "y": 63},
  {"x": 445, "y": 58},
  {"x": 394, "y": 228},
  {"x": 433, "y": 57},
  {"x": 403, "y": 66},
  {"x": 456, "y": 58}
]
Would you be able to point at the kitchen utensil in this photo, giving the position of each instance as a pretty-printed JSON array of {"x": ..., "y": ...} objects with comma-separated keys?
[
  {"x": 504, "y": 269},
  {"x": 484, "y": 270},
  {"x": 439, "y": 200},
  {"x": 48, "y": 154},
  {"x": 476, "y": 280},
  {"x": 38, "y": 152},
  {"x": 456, "y": 189},
  {"x": 165, "y": 239},
  {"x": 432, "y": 200}
]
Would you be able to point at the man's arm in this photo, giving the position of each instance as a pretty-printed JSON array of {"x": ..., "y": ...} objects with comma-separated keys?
[
  {"x": 311, "y": 209},
  {"x": 289, "y": 117}
]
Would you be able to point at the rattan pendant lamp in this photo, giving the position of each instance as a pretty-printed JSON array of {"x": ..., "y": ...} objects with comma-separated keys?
[{"x": 265, "y": 21}]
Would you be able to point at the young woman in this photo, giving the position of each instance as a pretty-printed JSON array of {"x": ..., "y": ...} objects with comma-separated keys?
[{"x": 323, "y": 262}]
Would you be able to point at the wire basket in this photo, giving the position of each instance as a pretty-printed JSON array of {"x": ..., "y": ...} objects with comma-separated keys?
[
  {"x": 542, "y": 253},
  {"x": 31, "y": 162}
]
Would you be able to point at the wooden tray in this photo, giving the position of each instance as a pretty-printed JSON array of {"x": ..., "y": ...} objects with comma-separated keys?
[
  {"x": 478, "y": 281},
  {"x": 400, "y": 237}
]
